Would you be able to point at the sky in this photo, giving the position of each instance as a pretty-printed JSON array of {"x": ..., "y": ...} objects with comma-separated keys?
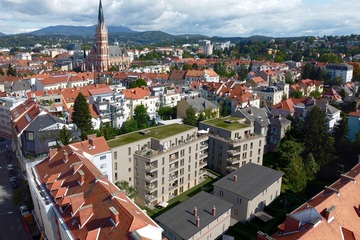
[{"x": 224, "y": 18}]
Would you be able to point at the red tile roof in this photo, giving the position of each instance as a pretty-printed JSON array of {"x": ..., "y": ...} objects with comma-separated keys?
[
  {"x": 24, "y": 114},
  {"x": 137, "y": 93},
  {"x": 332, "y": 214},
  {"x": 94, "y": 204}
]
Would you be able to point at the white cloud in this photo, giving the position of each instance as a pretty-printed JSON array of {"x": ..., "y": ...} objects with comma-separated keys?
[{"x": 208, "y": 17}]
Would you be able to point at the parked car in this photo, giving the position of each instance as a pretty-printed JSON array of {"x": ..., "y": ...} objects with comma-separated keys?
[
  {"x": 14, "y": 184},
  {"x": 12, "y": 178},
  {"x": 10, "y": 167}
]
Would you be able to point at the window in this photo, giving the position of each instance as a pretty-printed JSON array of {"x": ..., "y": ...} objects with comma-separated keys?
[
  {"x": 115, "y": 155},
  {"x": 129, "y": 179},
  {"x": 221, "y": 193},
  {"x": 238, "y": 200},
  {"x": 103, "y": 157},
  {"x": 115, "y": 166},
  {"x": 129, "y": 159},
  {"x": 129, "y": 151},
  {"x": 116, "y": 177},
  {"x": 129, "y": 170},
  {"x": 236, "y": 212},
  {"x": 30, "y": 136},
  {"x": 189, "y": 149}
]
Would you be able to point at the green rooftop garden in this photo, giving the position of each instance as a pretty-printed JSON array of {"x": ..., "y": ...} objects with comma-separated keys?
[
  {"x": 229, "y": 123},
  {"x": 159, "y": 132}
]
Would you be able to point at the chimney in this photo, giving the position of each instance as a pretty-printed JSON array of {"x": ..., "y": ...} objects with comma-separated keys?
[
  {"x": 85, "y": 214},
  {"x": 197, "y": 223},
  {"x": 114, "y": 216},
  {"x": 291, "y": 223},
  {"x": 213, "y": 211},
  {"x": 235, "y": 178},
  {"x": 81, "y": 177},
  {"x": 76, "y": 201},
  {"x": 329, "y": 213},
  {"x": 66, "y": 157},
  {"x": 195, "y": 212},
  {"x": 52, "y": 152}
]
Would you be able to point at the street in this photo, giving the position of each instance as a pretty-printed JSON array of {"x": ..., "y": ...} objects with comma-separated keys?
[{"x": 12, "y": 225}]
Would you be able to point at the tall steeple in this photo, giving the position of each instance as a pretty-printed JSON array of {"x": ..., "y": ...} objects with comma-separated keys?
[
  {"x": 101, "y": 14},
  {"x": 101, "y": 43}
]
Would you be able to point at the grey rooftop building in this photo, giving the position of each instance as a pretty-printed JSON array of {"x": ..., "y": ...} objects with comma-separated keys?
[
  {"x": 249, "y": 189},
  {"x": 203, "y": 216}
]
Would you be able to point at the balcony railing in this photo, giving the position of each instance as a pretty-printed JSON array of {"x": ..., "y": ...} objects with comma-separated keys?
[
  {"x": 230, "y": 169},
  {"x": 233, "y": 160},
  {"x": 150, "y": 178},
  {"x": 233, "y": 152},
  {"x": 150, "y": 186},
  {"x": 202, "y": 163}
]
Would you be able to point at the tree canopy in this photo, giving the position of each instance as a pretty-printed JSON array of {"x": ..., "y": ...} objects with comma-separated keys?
[
  {"x": 190, "y": 118},
  {"x": 65, "y": 136},
  {"x": 138, "y": 83},
  {"x": 141, "y": 117},
  {"x": 81, "y": 116},
  {"x": 125, "y": 186}
]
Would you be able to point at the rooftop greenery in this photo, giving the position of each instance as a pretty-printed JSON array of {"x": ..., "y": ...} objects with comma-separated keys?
[
  {"x": 229, "y": 123},
  {"x": 158, "y": 132}
]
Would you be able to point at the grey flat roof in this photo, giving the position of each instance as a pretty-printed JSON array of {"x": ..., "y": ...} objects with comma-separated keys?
[
  {"x": 252, "y": 179},
  {"x": 181, "y": 220}
]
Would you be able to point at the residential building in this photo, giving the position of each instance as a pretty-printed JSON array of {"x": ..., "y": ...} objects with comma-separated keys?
[
  {"x": 203, "y": 216},
  {"x": 354, "y": 125},
  {"x": 342, "y": 70},
  {"x": 34, "y": 130},
  {"x": 97, "y": 151},
  {"x": 265, "y": 123},
  {"x": 160, "y": 162},
  {"x": 269, "y": 96},
  {"x": 102, "y": 56},
  {"x": 199, "y": 104},
  {"x": 74, "y": 200},
  {"x": 207, "y": 75},
  {"x": 331, "y": 214},
  {"x": 308, "y": 86},
  {"x": 6, "y": 105},
  {"x": 249, "y": 189},
  {"x": 232, "y": 144}
]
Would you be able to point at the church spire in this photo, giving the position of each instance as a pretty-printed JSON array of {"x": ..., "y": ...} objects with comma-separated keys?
[{"x": 101, "y": 14}]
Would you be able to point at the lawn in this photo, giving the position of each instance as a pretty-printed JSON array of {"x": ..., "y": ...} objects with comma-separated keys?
[
  {"x": 158, "y": 132},
  {"x": 204, "y": 186},
  {"x": 229, "y": 123}
]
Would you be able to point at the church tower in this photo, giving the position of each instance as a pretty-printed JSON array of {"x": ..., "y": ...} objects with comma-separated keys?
[{"x": 101, "y": 43}]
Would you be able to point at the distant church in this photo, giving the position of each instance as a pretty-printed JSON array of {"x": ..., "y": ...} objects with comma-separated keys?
[{"x": 102, "y": 56}]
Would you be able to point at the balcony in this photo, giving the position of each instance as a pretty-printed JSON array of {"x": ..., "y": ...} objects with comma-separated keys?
[
  {"x": 150, "y": 197},
  {"x": 150, "y": 187},
  {"x": 150, "y": 177},
  {"x": 203, "y": 155},
  {"x": 173, "y": 167},
  {"x": 174, "y": 157},
  {"x": 204, "y": 146},
  {"x": 151, "y": 167},
  {"x": 202, "y": 164},
  {"x": 233, "y": 152},
  {"x": 172, "y": 177},
  {"x": 202, "y": 172},
  {"x": 230, "y": 169},
  {"x": 233, "y": 160}
]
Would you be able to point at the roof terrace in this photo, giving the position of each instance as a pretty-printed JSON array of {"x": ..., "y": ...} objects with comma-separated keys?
[{"x": 229, "y": 123}]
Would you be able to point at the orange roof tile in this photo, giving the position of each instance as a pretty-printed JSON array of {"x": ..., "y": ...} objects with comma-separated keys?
[{"x": 137, "y": 93}]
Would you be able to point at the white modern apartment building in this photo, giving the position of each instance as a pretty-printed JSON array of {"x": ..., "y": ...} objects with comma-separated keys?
[
  {"x": 160, "y": 162},
  {"x": 343, "y": 70},
  {"x": 232, "y": 144}
]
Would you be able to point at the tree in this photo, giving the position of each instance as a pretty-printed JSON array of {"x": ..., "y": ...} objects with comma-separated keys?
[
  {"x": 186, "y": 66},
  {"x": 317, "y": 138},
  {"x": 11, "y": 71},
  {"x": 340, "y": 134},
  {"x": 107, "y": 131},
  {"x": 81, "y": 116},
  {"x": 315, "y": 94},
  {"x": 190, "y": 118},
  {"x": 130, "y": 190},
  {"x": 288, "y": 151},
  {"x": 242, "y": 72},
  {"x": 167, "y": 113},
  {"x": 311, "y": 167},
  {"x": 141, "y": 117},
  {"x": 138, "y": 83},
  {"x": 65, "y": 136},
  {"x": 295, "y": 175},
  {"x": 113, "y": 68},
  {"x": 288, "y": 78},
  {"x": 129, "y": 126},
  {"x": 2, "y": 71},
  {"x": 297, "y": 94}
]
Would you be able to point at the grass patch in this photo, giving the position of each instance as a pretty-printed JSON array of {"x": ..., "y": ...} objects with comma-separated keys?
[
  {"x": 221, "y": 123},
  {"x": 159, "y": 132},
  {"x": 204, "y": 186}
]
